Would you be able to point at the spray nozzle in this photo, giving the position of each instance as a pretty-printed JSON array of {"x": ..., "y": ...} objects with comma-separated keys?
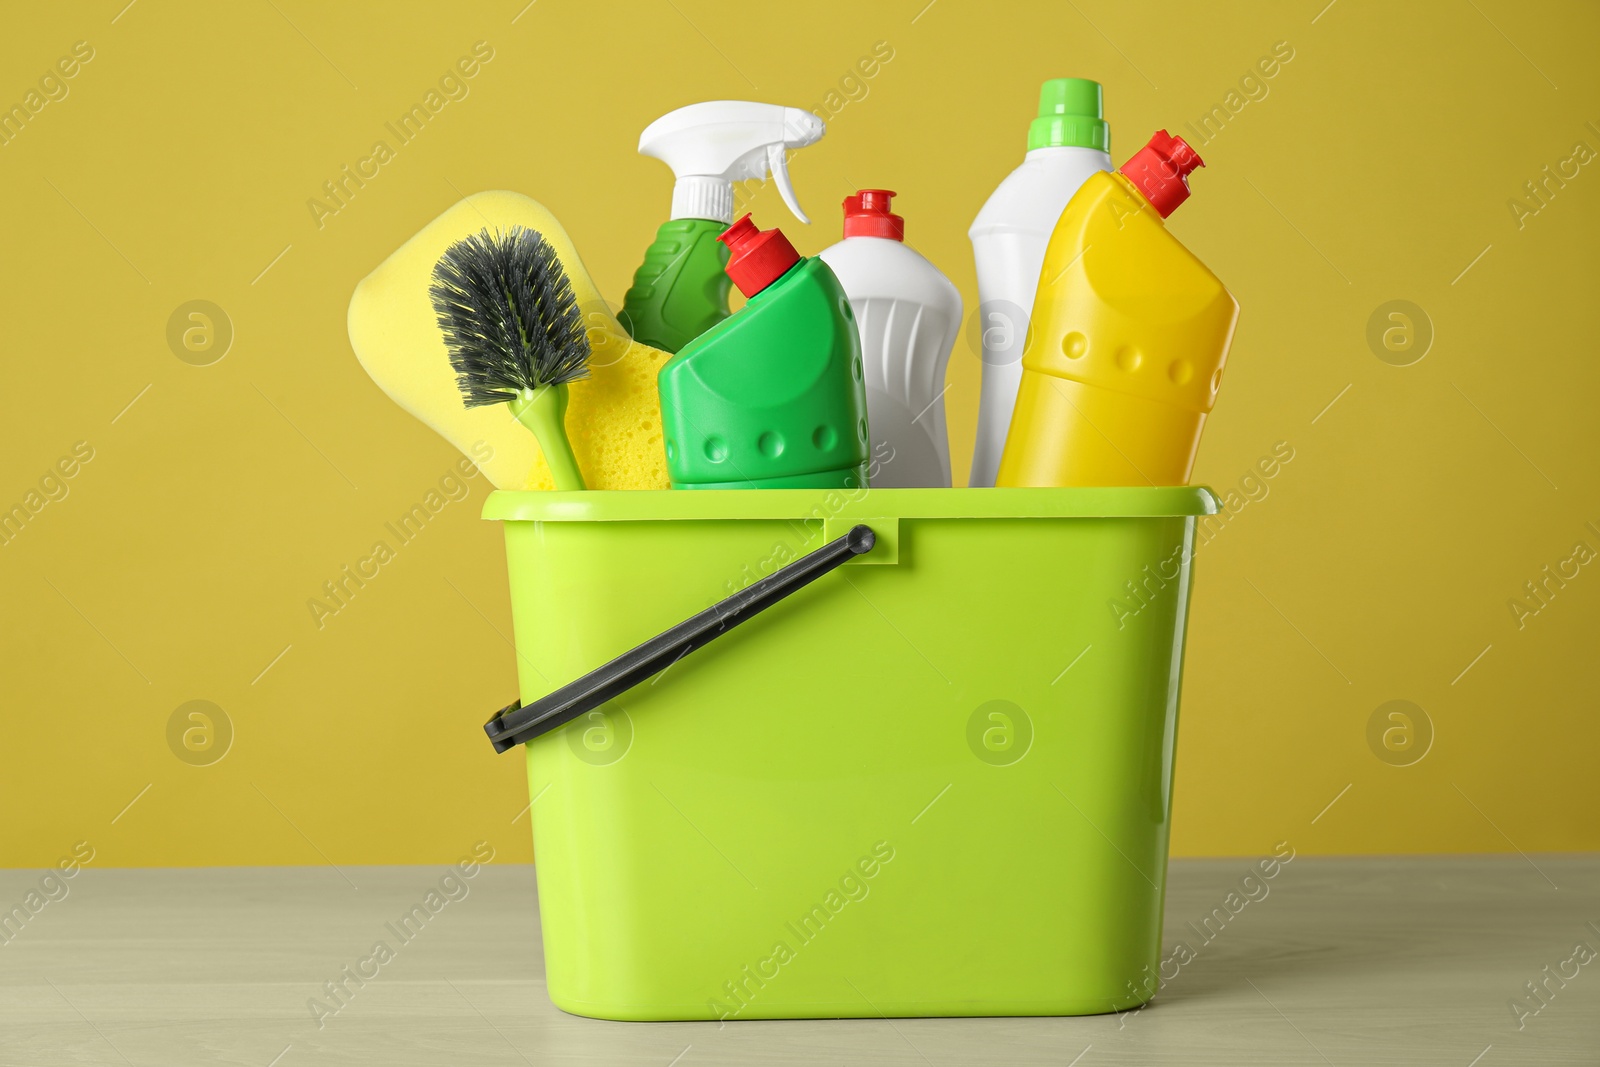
[{"x": 710, "y": 146}]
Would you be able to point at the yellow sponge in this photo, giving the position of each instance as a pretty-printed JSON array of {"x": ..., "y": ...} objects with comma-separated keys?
[{"x": 613, "y": 416}]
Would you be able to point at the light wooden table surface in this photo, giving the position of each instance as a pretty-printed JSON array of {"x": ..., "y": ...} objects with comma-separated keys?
[{"x": 1351, "y": 961}]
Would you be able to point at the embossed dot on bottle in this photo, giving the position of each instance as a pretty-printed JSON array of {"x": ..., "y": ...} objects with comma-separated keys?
[
  {"x": 716, "y": 449},
  {"x": 1074, "y": 345},
  {"x": 1129, "y": 358},
  {"x": 1180, "y": 371},
  {"x": 824, "y": 438},
  {"x": 770, "y": 444}
]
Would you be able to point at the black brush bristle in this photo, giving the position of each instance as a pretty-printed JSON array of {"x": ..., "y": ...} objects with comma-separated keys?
[{"x": 509, "y": 316}]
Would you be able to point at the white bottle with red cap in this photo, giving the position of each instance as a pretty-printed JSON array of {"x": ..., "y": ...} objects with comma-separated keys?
[{"x": 908, "y": 314}]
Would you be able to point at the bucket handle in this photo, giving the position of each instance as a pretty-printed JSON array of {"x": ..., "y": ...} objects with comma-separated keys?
[{"x": 517, "y": 723}]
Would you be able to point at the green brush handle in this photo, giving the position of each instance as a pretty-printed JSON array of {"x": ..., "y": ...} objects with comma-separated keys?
[{"x": 544, "y": 411}]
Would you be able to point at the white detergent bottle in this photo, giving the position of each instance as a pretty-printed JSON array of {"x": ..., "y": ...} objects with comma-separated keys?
[
  {"x": 908, "y": 315},
  {"x": 1067, "y": 143}
]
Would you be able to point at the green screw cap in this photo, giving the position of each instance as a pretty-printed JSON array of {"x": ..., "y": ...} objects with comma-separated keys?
[{"x": 1071, "y": 113}]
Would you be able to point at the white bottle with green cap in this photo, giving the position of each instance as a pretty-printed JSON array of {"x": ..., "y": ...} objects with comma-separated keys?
[{"x": 1067, "y": 143}]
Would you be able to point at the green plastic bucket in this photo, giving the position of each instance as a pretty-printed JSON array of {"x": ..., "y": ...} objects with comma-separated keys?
[{"x": 935, "y": 782}]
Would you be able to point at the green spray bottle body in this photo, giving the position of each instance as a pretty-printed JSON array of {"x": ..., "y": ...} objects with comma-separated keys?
[
  {"x": 681, "y": 289},
  {"x": 772, "y": 397}
]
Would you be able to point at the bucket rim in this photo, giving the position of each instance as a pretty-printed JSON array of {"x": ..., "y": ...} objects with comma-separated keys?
[{"x": 666, "y": 505}]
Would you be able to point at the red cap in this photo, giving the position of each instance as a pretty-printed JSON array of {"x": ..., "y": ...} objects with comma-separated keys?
[
  {"x": 1159, "y": 170},
  {"x": 867, "y": 214},
  {"x": 757, "y": 258}
]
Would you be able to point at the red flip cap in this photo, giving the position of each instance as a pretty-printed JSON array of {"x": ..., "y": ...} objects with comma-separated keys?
[
  {"x": 1160, "y": 171},
  {"x": 867, "y": 214},
  {"x": 756, "y": 258}
]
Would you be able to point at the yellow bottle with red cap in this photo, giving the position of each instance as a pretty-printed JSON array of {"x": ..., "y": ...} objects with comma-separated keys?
[{"x": 1127, "y": 340}]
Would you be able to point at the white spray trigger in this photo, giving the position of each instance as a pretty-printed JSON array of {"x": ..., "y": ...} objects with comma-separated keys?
[
  {"x": 779, "y": 166},
  {"x": 713, "y": 144}
]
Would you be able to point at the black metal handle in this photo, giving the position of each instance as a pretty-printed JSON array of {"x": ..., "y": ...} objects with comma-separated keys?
[{"x": 515, "y": 724}]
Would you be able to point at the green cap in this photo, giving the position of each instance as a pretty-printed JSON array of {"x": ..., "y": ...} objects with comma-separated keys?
[{"x": 1070, "y": 113}]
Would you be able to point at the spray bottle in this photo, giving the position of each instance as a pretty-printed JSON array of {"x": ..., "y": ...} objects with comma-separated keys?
[{"x": 681, "y": 290}]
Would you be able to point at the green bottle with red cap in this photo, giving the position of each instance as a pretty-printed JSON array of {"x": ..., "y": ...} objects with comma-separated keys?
[{"x": 771, "y": 397}]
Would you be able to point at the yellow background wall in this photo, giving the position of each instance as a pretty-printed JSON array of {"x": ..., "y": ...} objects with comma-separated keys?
[{"x": 1378, "y": 566}]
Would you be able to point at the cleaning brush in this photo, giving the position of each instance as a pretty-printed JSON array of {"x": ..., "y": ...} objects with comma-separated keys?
[{"x": 515, "y": 334}]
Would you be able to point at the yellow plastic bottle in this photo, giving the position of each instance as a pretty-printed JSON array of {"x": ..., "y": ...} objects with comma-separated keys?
[{"x": 1127, "y": 339}]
